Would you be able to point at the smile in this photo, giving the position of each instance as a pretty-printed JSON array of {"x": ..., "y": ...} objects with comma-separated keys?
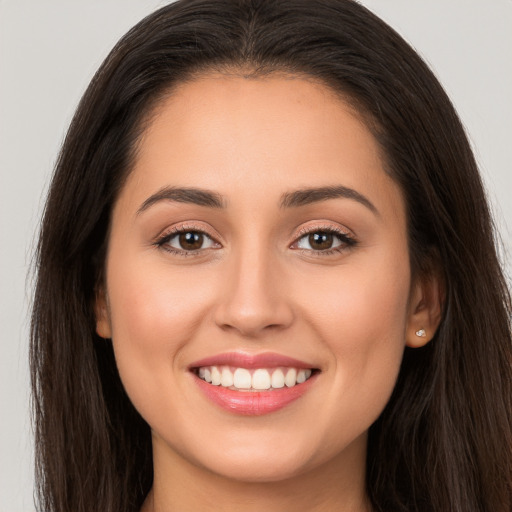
[
  {"x": 253, "y": 384},
  {"x": 244, "y": 379}
]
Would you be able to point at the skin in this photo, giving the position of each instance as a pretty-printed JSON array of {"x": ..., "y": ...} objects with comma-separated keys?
[{"x": 259, "y": 287}]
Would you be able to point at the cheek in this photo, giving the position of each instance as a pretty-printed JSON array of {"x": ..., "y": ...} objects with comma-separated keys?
[
  {"x": 366, "y": 301},
  {"x": 154, "y": 314},
  {"x": 360, "y": 316}
]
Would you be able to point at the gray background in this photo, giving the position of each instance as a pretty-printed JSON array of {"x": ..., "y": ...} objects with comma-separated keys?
[{"x": 49, "y": 50}]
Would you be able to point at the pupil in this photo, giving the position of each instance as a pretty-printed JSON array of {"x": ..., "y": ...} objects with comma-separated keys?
[
  {"x": 191, "y": 240},
  {"x": 321, "y": 241}
]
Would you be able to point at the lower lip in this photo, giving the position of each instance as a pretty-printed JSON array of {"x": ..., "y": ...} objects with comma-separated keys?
[{"x": 254, "y": 403}]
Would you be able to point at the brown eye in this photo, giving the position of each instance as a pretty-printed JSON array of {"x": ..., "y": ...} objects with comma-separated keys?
[
  {"x": 324, "y": 240},
  {"x": 320, "y": 241},
  {"x": 187, "y": 241},
  {"x": 191, "y": 240}
]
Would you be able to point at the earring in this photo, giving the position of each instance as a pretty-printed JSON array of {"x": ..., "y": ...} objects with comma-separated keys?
[{"x": 421, "y": 333}]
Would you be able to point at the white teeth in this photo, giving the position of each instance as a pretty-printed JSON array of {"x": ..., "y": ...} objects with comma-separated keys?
[
  {"x": 226, "y": 378},
  {"x": 301, "y": 376},
  {"x": 258, "y": 380},
  {"x": 291, "y": 377},
  {"x": 216, "y": 378},
  {"x": 242, "y": 379},
  {"x": 261, "y": 379},
  {"x": 278, "y": 379}
]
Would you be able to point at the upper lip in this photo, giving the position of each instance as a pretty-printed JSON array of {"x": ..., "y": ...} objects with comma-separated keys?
[{"x": 247, "y": 360}]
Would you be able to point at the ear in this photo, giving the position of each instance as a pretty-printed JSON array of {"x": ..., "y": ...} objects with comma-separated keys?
[
  {"x": 102, "y": 313},
  {"x": 425, "y": 309}
]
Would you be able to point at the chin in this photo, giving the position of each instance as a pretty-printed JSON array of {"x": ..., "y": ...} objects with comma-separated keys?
[{"x": 260, "y": 469}]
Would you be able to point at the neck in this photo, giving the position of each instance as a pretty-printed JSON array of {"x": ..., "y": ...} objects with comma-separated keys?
[{"x": 338, "y": 484}]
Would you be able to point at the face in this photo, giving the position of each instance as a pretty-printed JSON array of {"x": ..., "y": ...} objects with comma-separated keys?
[{"x": 258, "y": 290}]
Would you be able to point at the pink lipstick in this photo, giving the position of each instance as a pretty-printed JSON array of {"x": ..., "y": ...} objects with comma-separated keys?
[{"x": 253, "y": 384}]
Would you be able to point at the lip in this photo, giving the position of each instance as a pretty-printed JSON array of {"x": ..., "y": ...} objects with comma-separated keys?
[
  {"x": 247, "y": 360},
  {"x": 252, "y": 403}
]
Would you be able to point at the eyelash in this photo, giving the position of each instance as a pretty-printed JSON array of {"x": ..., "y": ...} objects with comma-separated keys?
[
  {"x": 163, "y": 240},
  {"x": 347, "y": 241}
]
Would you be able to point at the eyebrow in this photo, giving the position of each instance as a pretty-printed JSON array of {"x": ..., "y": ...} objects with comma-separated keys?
[
  {"x": 307, "y": 196},
  {"x": 297, "y": 198},
  {"x": 189, "y": 195}
]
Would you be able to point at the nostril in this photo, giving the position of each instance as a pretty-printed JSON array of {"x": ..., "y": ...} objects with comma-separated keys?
[{"x": 255, "y": 320}]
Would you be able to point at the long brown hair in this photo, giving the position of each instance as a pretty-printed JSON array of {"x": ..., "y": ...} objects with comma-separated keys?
[{"x": 444, "y": 441}]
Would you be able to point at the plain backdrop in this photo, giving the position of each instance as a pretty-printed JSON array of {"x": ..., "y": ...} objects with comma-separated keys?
[{"x": 49, "y": 50}]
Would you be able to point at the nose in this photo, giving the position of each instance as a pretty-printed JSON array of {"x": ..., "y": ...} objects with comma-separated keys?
[{"x": 255, "y": 299}]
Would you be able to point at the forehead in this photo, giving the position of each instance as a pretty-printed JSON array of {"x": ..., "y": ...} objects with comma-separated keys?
[{"x": 233, "y": 134}]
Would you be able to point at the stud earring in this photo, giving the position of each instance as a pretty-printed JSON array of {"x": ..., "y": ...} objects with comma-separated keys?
[{"x": 421, "y": 333}]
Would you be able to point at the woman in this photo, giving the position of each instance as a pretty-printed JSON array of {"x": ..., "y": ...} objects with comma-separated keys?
[{"x": 267, "y": 277}]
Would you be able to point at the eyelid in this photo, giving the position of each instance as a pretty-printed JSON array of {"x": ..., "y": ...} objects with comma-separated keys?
[
  {"x": 189, "y": 225},
  {"x": 325, "y": 226},
  {"x": 346, "y": 235},
  {"x": 167, "y": 234}
]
